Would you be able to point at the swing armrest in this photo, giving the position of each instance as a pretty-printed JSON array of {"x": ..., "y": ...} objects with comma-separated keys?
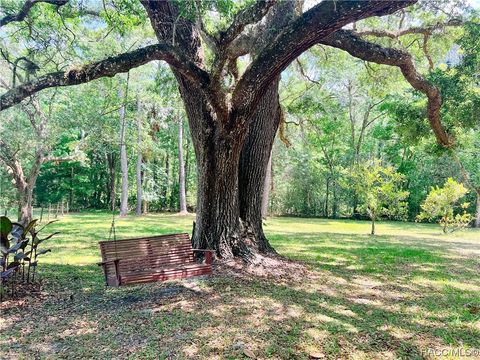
[
  {"x": 115, "y": 262},
  {"x": 208, "y": 254},
  {"x": 103, "y": 263}
]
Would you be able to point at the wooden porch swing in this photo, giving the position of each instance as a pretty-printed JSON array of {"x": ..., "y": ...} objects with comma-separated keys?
[{"x": 149, "y": 259}]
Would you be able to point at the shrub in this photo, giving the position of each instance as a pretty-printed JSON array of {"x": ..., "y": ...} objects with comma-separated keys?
[
  {"x": 19, "y": 252},
  {"x": 441, "y": 204}
]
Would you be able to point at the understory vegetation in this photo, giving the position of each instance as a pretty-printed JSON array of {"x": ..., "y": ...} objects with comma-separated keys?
[{"x": 348, "y": 295}]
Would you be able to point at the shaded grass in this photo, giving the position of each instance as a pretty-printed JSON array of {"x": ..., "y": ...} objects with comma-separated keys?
[{"x": 389, "y": 296}]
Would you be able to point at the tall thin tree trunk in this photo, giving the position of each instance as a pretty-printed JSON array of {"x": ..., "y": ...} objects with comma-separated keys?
[
  {"x": 123, "y": 160},
  {"x": 327, "y": 194},
  {"x": 181, "y": 170},
  {"x": 138, "y": 210},
  {"x": 335, "y": 200},
  {"x": 111, "y": 179},
  {"x": 187, "y": 165},
  {"x": 70, "y": 192},
  {"x": 25, "y": 209},
  {"x": 166, "y": 185},
  {"x": 477, "y": 218},
  {"x": 266, "y": 187}
]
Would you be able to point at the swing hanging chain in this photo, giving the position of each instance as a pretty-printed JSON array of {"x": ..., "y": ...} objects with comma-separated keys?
[{"x": 112, "y": 227}]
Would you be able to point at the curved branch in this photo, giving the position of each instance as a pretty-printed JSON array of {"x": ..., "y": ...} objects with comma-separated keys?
[
  {"x": 368, "y": 51},
  {"x": 315, "y": 24},
  {"x": 22, "y": 14},
  {"x": 106, "y": 68},
  {"x": 419, "y": 30},
  {"x": 250, "y": 15}
]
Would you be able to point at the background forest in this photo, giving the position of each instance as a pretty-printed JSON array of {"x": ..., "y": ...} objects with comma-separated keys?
[{"x": 89, "y": 146}]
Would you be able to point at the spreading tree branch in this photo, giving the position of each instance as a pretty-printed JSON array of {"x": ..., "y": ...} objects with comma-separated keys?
[
  {"x": 248, "y": 16},
  {"x": 418, "y": 30},
  {"x": 10, "y": 160},
  {"x": 306, "y": 31},
  {"x": 368, "y": 51},
  {"x": 23, "y": 12},
  {"x": 106, "y": 68},
  {"x": 224, "y": 39}
]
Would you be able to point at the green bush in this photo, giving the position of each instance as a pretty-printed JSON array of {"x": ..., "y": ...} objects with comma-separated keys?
[{"x": 441, "y": 204}]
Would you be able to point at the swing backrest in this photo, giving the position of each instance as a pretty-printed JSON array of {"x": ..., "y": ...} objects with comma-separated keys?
[{"x": 158, "y": 250}]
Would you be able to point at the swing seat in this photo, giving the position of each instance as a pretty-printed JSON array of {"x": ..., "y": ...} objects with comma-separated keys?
[{"x": 149, "y": 259}]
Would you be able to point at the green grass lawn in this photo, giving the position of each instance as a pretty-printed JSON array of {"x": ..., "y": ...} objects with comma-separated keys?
[{"x": 389, "y": 296}]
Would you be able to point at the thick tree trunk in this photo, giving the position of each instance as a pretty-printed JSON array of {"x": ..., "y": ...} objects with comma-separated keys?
[
  {"x": 181, "y": 170},
  {"x": 477, "y": 217},
  {"x": 123, "y": 161},
  {"x": 254, "y": 161},
  {"x": 138, "y": 170},
  {"x": 266, "y": 187},
  {"x": 217, "y": 224},
  {"x": 231, "y": 174},
  {"x": 218, "y": 148}
]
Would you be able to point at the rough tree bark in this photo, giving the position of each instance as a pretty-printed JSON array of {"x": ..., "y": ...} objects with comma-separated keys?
[
  {"x": 123, "y": 159},
  {"x": 267, "y": 187},
  {"x": 254, "y": 161},
  {"x": 25, "y": 199},
  {"x": 138, "y": 169},
  {"x": 181, "y": 170}
]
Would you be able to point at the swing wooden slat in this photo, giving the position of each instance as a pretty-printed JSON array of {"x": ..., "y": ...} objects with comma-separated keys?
[{"x": 148, "y": 259}]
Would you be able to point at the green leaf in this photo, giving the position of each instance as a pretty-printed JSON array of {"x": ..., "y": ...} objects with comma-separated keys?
[
  {"x": 7, "y": 273},
  {"x": 43, "y": 252},
  {"x": 39, "y": 241},
  {"x": 30, "y": 226},
  {"x": 5, "y": 229},
  {"x": 13, "y": 265},
  {"x": 17, "y": 231},
  {"x": 16, "y": 247}
]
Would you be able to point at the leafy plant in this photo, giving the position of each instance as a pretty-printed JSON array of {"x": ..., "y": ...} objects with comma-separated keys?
[
  {"x": 441, "y": 203},
  {"x": 19, "y": 249}
]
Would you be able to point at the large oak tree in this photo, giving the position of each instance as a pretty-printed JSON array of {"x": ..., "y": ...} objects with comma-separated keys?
[{"x": 233, "y": 116}]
